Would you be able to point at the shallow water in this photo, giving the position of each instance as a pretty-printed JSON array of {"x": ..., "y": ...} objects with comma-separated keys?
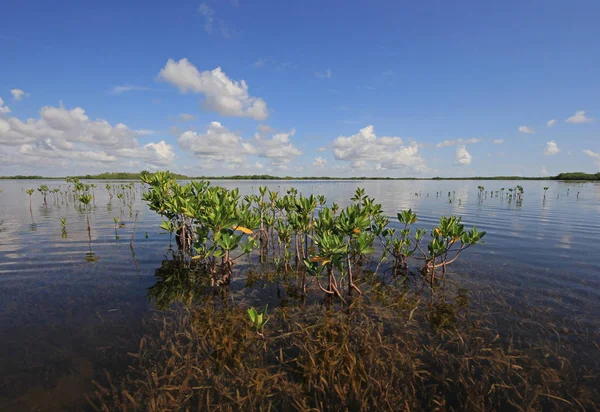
[{"x": 63, "y": 319}]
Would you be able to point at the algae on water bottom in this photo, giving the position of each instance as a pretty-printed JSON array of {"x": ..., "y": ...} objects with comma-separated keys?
[{"x": 387, "y": 350}]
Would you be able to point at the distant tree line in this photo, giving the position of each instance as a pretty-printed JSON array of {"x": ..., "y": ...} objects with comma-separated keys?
[
  {"x": 135, "y": 176},
  {"x": 23, "y": 177},
  {"x": 577, "y": 176},
  {"x": 123, "y": 176},
  {"x": 494, "y": 178},
  {"x": 269, "y": 177}
]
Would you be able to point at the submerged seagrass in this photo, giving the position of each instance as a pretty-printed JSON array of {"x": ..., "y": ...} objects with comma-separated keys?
[
  {"x": 391, "y": 351},
  {"x": 388, "y": 343}
]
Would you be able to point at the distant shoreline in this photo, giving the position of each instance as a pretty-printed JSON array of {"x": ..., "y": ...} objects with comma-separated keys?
[{"x": 573, "y": 176}]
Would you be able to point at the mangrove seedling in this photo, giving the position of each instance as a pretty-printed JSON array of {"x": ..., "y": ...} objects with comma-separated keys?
[
  {"x": 63, "y": 223},
  {"x": 359, "y": 194},
  {"x": 165, "y": 225},
  {"x": 520, "y": 192},
  {"x": 55, "y": 193},
  {"x": 120, "y": 196},
  {"x": 137, "y": 212},
  {"x": 85, "y": 200},
  {"x": 304, "y": 208},
  {"x": 108, "y": 187},
  {"x": 259, "y": 320},
  {"x": 284, "y": 238},
  {"x": 352, "y": 223},
  {"x": 334, "y": 208},
  {"x": 449, "y": 233},
  {"x": 116, "y": 220},
  {"x": 30, "y": 193},
  {"x": 480, "y": 193},
  {"x": 401, "y": 247},
  {"x": 331, "y": 255},
  {"x": 43, "y": 189}
]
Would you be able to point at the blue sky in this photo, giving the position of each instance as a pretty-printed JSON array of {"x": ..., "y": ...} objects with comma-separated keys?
[{"x": 309, "y": 88}]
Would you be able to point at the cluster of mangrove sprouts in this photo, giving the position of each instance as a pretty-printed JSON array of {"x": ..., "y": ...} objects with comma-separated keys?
[
  {"x": 214, "y": 227},
  {"x": 516, "y": 193},
  {"x": 513, "y": 193},
  {"x": 480, "y": 193}
]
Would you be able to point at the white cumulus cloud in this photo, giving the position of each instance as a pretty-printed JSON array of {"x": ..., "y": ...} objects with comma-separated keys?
[
  {"x": 278, "y": 148},
  {"x": 60, "y": 133},
  {"x": 551, "y": 148},
  {"x": 579, "y": 117},
  {"x": 3, "y": 108},
  {"x": 366, "y": 149},
  {"x": 550, "y": 123},
  {"x": 319, "y": 161},
  {"x": 157, "y": 154},
  {"x": 526, "y": 129},
  {"x": 219, "y": 144},
  {"x": 46, "y": 149},
  {"x": 321, "y": 149},
  {"x": 67, "y": 128},
  {"x": 216, "y": 144},
  {"x": 221, "y": 94},
  {"x": 462, "y": 156},
  {"x": 498, "y": 141},
  {"x": 18, "y": 94},
  {"x": 160, "y": 153}
]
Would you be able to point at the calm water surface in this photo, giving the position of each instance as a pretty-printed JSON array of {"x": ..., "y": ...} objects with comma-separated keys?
[{"x": 63, "y": 319}]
